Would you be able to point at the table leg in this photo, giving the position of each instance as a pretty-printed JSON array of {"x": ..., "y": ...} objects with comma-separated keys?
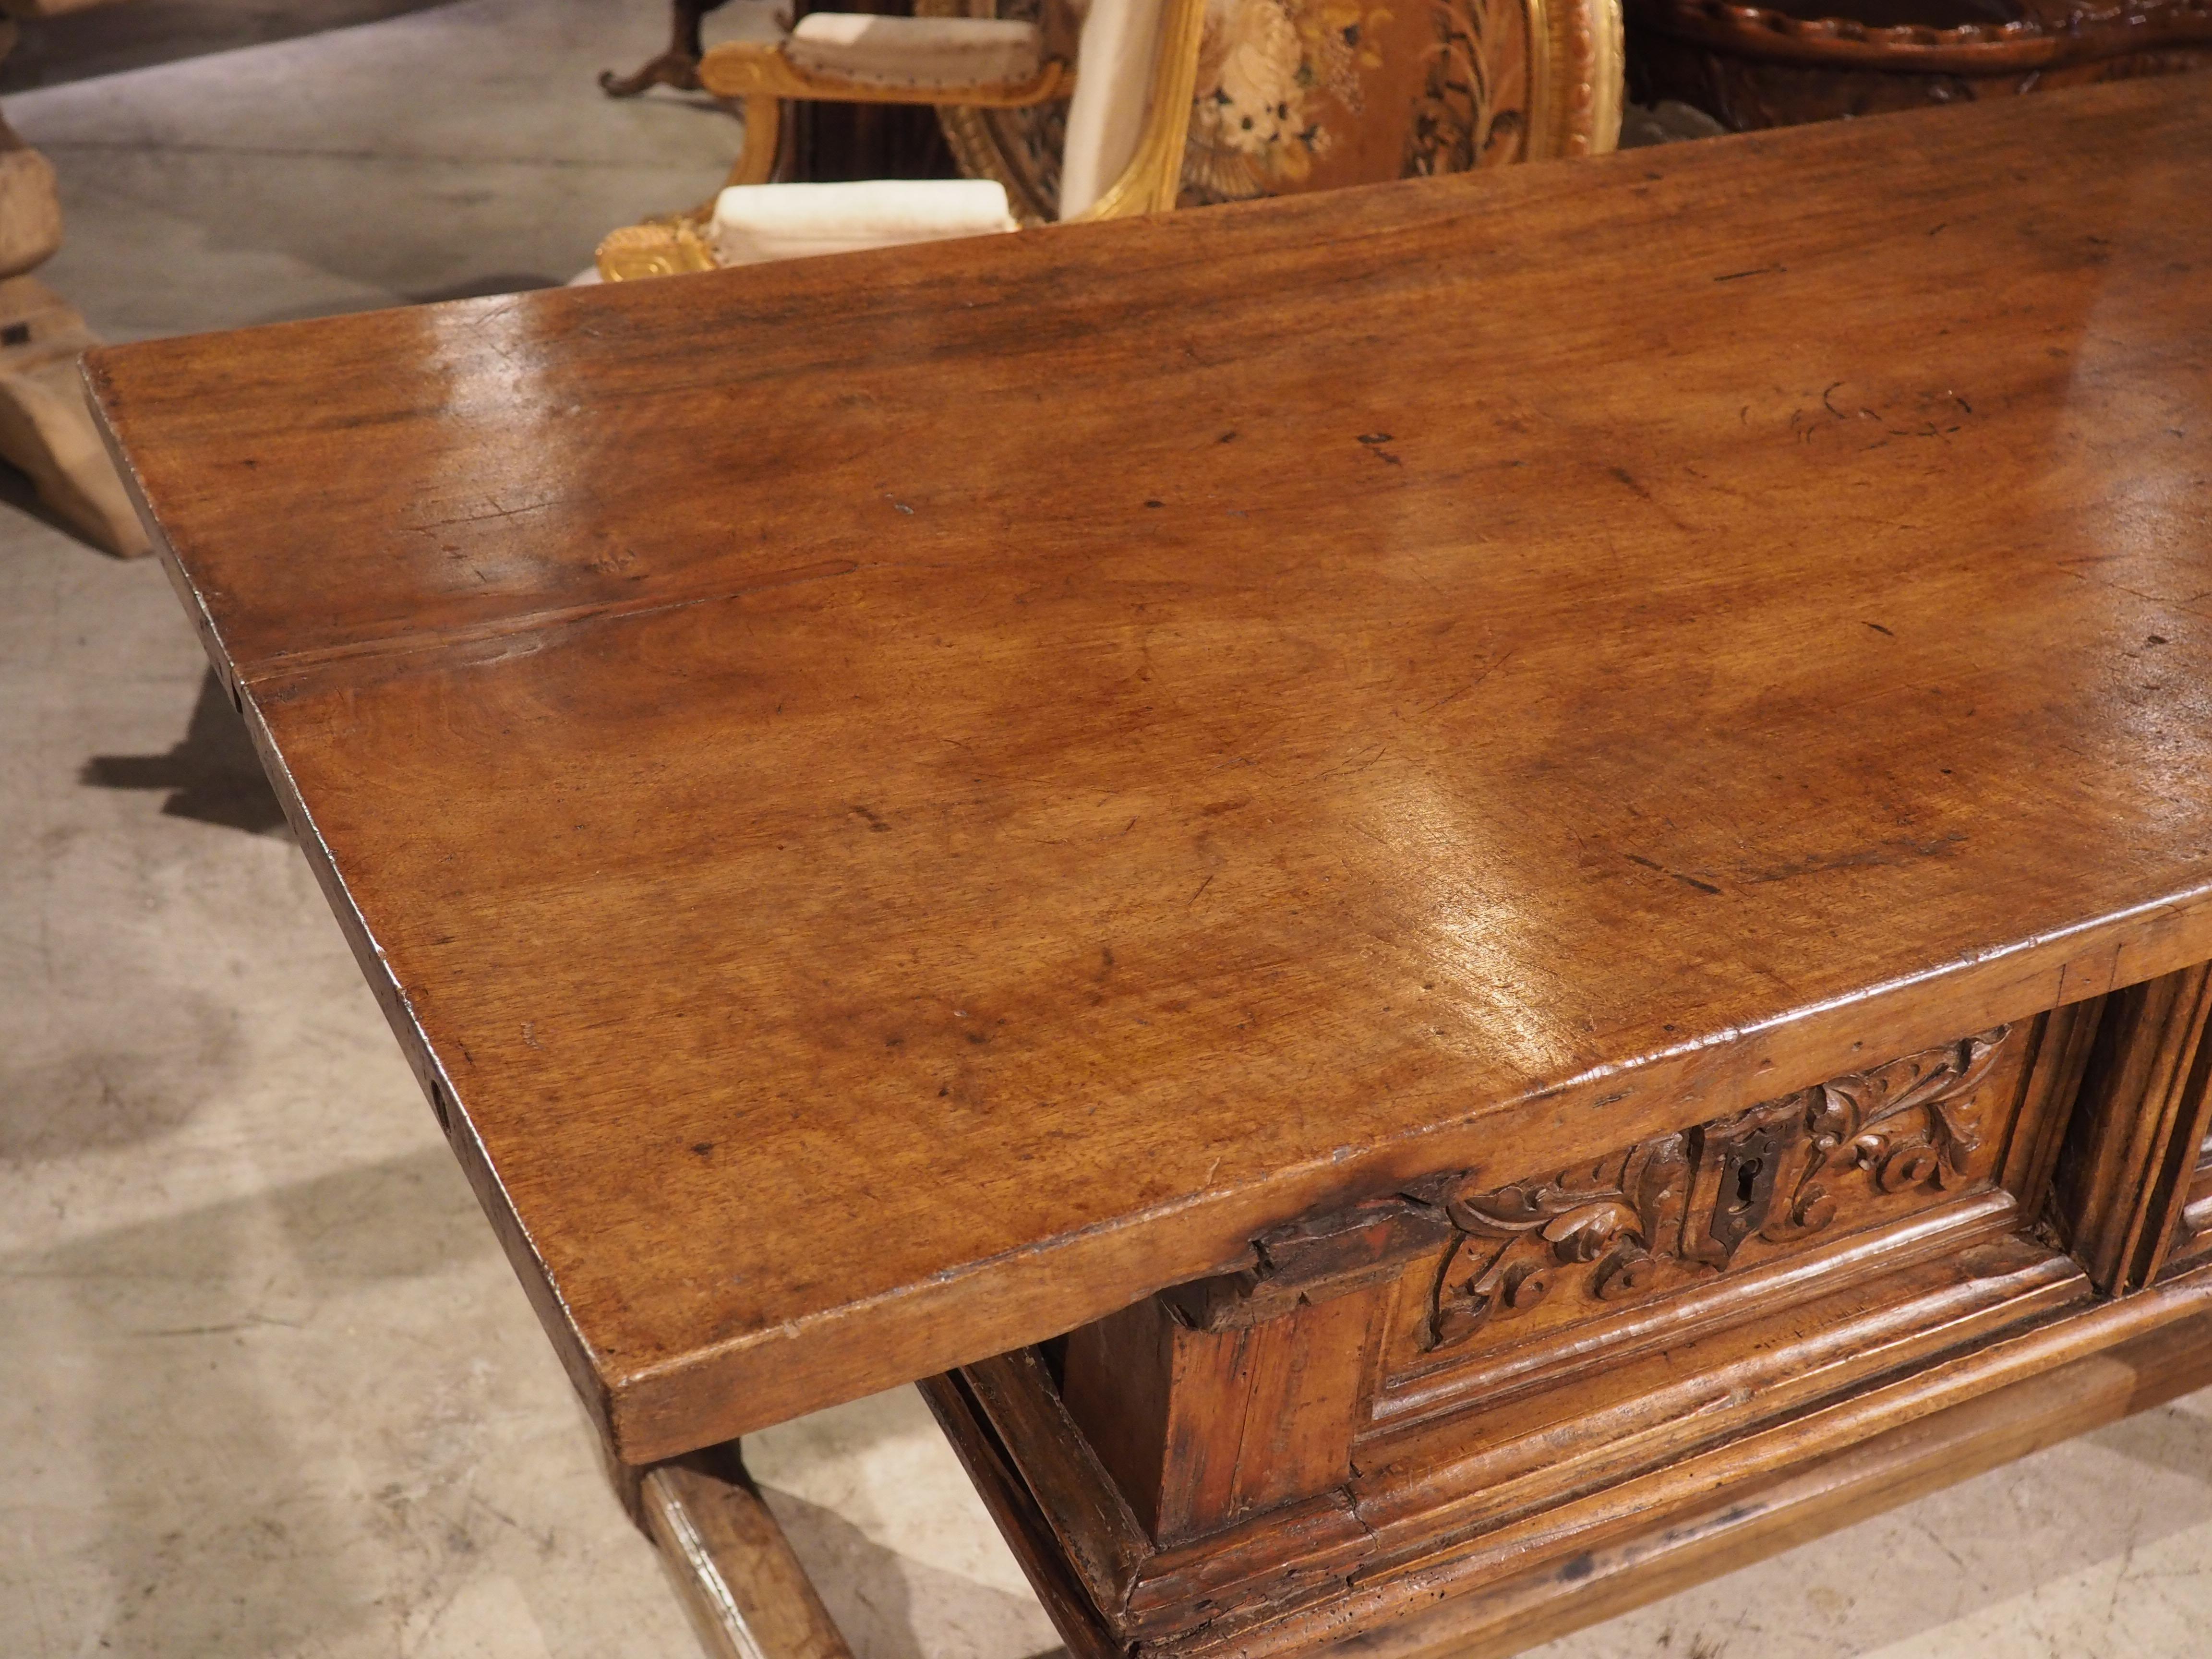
[{"x": 746, "y": 1593}]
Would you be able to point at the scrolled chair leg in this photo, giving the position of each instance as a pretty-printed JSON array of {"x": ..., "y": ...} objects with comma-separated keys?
[{"x": 678, "y": 66}]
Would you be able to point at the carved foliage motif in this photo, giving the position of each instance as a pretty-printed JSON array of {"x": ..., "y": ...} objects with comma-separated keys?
[
  {"x": 1671, "y": 1208},
  {"x": 1456, "y": 121}
]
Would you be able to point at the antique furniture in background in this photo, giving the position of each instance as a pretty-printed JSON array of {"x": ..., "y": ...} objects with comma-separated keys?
[
  {"x": 1455, "y": 926},
  {"x": 1287, "y": 95},
  {"x": 860, "y": 58},
  {"x": 818, "y": 141},
  {"x": 46, "y": 429},
  {"x": 1124, "y": 130},
  {"x": 678, "y": 65},
  {"x": 1295, "y": 95},
  {"x": 1778, "y": 63}
]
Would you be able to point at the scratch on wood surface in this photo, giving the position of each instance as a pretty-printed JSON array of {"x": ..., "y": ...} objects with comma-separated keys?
[
  {"x": 497, "y": 512},
  {"x": 1454, "y": 697}
]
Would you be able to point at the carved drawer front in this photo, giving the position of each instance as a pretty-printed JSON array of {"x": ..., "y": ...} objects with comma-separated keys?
[
  {"x": 1542, "y": 1271},
  {"x": 1436, "y": 1373}
]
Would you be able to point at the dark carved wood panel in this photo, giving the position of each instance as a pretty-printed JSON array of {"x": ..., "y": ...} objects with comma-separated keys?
[
  {"x": 1408, "y": 1394},
  {"x": 1602, "y": 1556},
  {"x": 1211, "y": 1403},
  {"x": 1476, "y": 1488},
  {"x": 1752, "y": 66},
  {"x": 1680, "y": 1208},
  {"x": 1714, "y": 1223}
]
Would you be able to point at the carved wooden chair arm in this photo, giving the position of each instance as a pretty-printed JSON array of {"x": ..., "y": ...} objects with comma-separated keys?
[{"x": 854, "y": 58}]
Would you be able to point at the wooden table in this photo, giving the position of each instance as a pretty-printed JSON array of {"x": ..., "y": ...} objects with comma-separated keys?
[{"x": 1462, "y": 899}]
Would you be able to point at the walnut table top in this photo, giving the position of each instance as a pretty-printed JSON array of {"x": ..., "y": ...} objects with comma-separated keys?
[{"x": 900, "y": 803}]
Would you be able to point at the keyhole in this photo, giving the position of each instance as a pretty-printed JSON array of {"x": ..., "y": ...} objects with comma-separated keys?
[{"x": 1746, "y": 1177}]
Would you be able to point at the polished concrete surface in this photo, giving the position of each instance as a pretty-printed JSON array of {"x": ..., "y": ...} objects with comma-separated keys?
[{"x": 266, "y": 1386}]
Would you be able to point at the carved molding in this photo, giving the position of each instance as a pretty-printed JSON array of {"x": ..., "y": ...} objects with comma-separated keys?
[
  {"x": 1682, "y": 1205},
  {"x": 2059, "y": 35}
]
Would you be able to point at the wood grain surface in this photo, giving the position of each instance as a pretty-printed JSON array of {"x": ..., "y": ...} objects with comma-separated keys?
[{"x": 899, "y": 803}]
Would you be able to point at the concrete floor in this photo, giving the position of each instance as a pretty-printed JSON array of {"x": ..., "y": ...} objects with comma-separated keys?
[{"x": 266, "y": 1386}]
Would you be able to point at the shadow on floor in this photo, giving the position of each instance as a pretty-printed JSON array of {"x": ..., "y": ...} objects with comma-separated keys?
[
  {"x": 2163, "y": 1437},
  {"x": 196, "y": 1338},
  {"x": 211, "y": 773},
  {"x": 107, "y": 39},
  {"x": 17, "y": 490},
  {"x": 142, "y": 1077},
  {"x": 876, "y": 1597}
]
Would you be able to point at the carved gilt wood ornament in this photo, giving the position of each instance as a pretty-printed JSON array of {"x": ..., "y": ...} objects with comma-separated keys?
[{"x": 1673, "y": 1207}]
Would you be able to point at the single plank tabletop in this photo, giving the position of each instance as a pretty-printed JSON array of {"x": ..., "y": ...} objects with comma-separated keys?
[{"x": 900, "y": 803}]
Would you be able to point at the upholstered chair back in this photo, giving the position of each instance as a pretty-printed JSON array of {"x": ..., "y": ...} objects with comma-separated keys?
[{"x": 1114, "y": 65}]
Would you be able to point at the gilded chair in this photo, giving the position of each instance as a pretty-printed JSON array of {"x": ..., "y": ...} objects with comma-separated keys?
[
  {"x": 1127, "y": 119},
  {"x": 1296, "y": 95}
]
